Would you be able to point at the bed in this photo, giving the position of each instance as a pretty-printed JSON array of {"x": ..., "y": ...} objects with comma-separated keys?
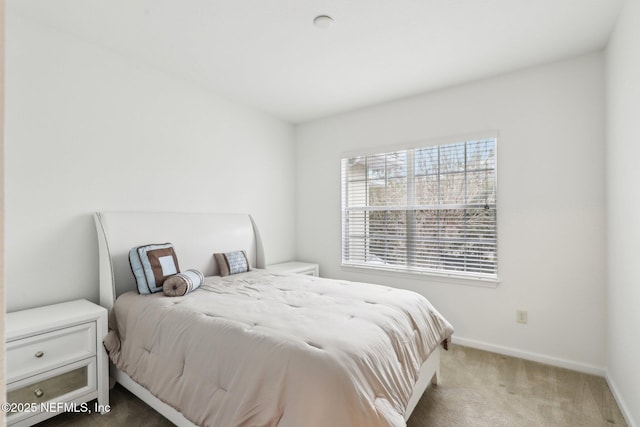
[{"x": 260, "y": 348}]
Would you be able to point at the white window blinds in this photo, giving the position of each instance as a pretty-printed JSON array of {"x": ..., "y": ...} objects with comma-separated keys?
[{"x": 430, "y": 210}]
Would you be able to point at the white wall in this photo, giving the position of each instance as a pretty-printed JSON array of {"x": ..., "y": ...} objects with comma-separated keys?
[
  {"x": 2, "y": 353},
  {"x": 88, "y": 130},
  {"x": 623, "y": 210},
  {"x": 551, "y": 220}
]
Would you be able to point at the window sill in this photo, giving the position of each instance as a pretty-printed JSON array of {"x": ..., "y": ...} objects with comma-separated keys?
[{"x": 424, "y": 276}]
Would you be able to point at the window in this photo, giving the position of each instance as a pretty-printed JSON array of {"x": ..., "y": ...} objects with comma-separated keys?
[{"x": 424, "y": 210}]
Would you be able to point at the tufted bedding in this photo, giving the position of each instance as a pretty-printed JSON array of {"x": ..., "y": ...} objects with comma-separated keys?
[{"x": 265, "y": 349}]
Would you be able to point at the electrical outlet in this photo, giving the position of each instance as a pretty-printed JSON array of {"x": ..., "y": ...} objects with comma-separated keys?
[{"x": 521, "y": 316}]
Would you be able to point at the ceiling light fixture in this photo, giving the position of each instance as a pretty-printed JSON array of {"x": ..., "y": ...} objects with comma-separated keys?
[{"x": 323, "y": 21}]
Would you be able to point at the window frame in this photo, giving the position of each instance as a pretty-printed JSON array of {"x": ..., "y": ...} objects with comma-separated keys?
[{"x": 450, "y": 276}]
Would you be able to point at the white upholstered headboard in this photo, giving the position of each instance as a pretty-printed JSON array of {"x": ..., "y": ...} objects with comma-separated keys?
[{"x": 195, "y": 237}]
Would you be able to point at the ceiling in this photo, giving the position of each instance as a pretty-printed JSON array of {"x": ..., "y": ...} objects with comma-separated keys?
[{"x": 269, "y": 55}]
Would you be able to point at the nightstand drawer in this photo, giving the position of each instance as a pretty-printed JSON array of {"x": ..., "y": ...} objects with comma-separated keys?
[
  {"x": 65, "y": 384},
  {"x": 35, "y": 354}
]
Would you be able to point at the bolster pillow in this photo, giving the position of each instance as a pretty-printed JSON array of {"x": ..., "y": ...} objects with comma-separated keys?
[{"x": 182, "y": 283}]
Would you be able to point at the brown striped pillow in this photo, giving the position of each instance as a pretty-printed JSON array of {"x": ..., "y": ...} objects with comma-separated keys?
[{"x": 182, "y": 283}]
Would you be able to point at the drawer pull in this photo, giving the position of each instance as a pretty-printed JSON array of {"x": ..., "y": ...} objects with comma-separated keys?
[
  {"x": 39, "y": 354},
  {"x": 38, "y": 392}
]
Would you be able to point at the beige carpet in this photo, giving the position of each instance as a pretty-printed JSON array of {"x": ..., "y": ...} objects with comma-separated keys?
[
  {"x": 478, "y": 389},
  {"x": 487, "y": 389}
]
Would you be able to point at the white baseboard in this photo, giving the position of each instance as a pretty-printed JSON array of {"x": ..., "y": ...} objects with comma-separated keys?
[
  {"x": 535, "y": 357},
  {"x": 619, "y": 400}
]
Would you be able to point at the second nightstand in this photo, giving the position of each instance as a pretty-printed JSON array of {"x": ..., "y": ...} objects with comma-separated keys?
[{"x": 297, "y": 267}]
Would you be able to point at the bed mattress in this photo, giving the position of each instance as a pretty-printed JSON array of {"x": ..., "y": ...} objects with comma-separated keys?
[{"x": 268, "y": 349}]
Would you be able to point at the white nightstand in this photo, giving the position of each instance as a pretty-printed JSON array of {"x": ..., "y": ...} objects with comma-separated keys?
[
  {"x": 55, "y": 359},
  {"x": 307, "y": 268}
]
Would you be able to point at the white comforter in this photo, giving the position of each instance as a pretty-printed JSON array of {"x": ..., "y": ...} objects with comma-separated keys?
[{"x": 264, "y": 349}]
